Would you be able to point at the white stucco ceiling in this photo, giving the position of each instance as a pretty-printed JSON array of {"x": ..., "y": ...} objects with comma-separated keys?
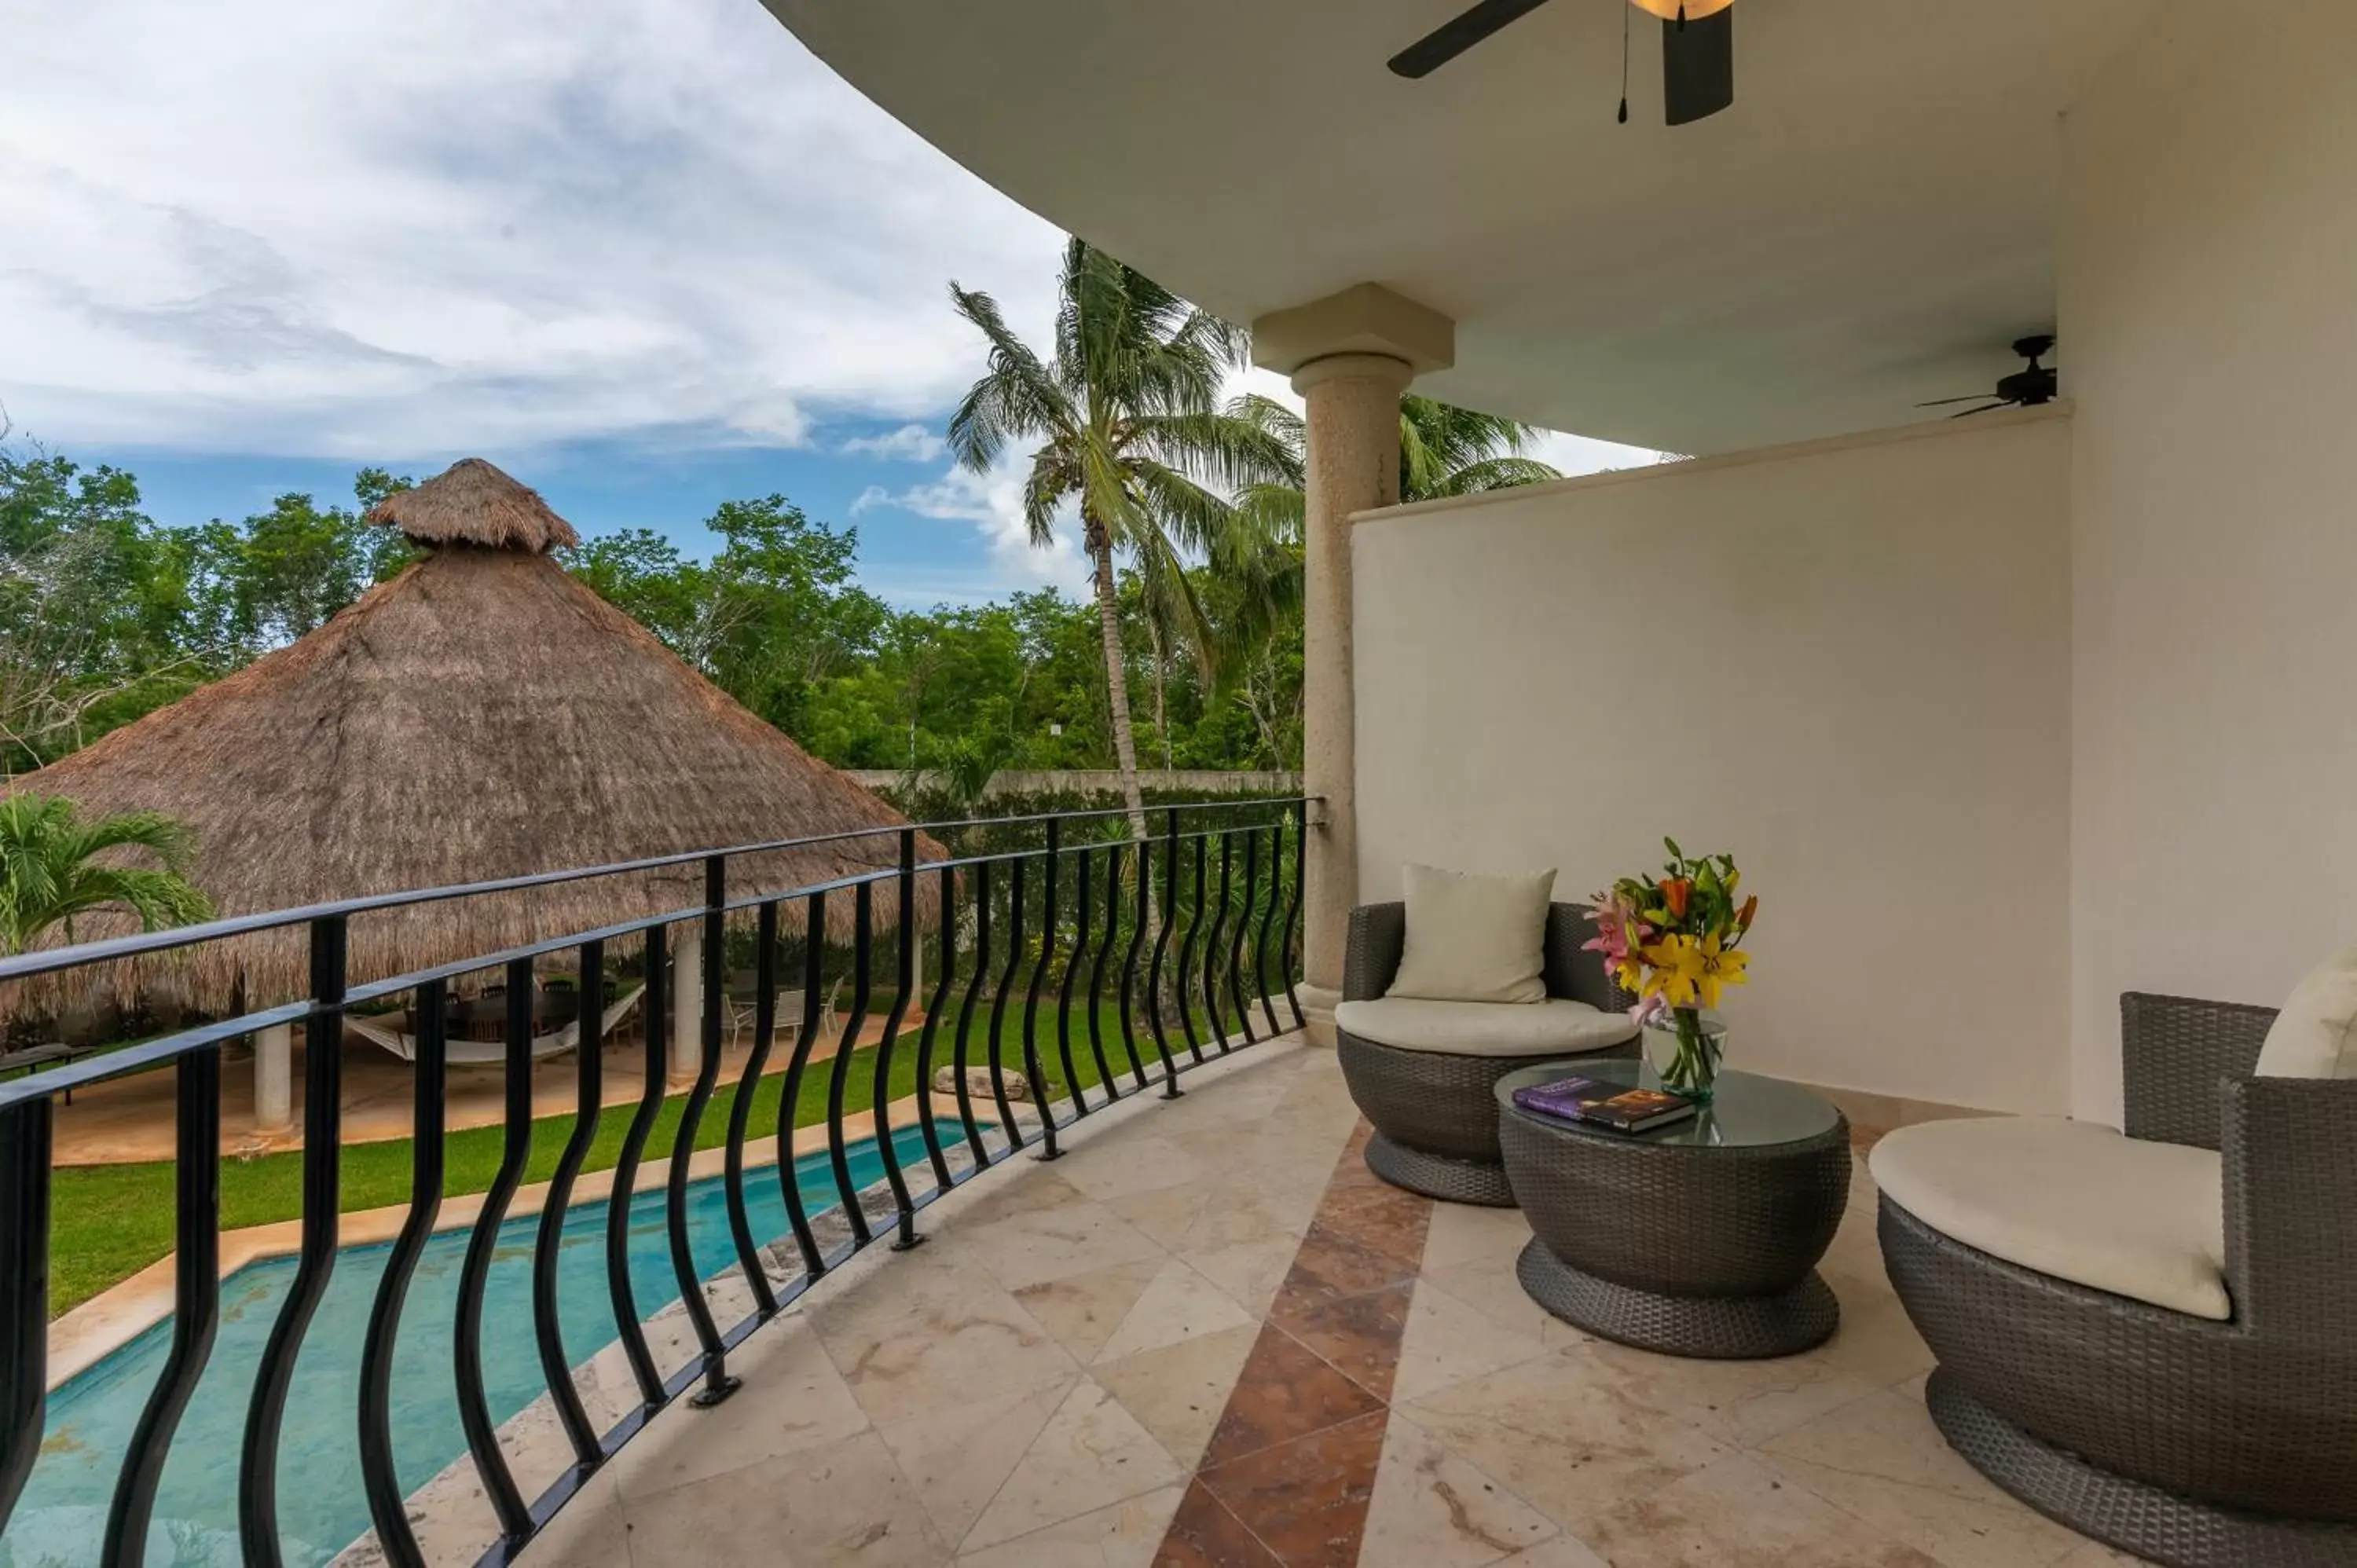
[{"x": 1868, "y": 226}]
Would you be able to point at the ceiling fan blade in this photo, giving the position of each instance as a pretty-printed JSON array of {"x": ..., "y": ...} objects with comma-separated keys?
[
  {"x": 1942, "y": 402},
  {"x": 1983, "y": 408},
  {"x": 1460, "y": 33},
  {"x": 1699, "y": 66}
]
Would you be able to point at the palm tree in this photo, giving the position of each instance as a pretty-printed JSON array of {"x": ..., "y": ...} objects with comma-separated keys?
[
  {"x": 50, "y": 875},
  {"x": 1130, "y": 430}
]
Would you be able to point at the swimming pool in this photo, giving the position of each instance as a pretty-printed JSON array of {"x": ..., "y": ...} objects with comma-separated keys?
[{"x": 61, "y": 1518}]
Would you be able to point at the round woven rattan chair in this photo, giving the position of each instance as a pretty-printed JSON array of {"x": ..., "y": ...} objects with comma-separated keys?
[
  {"x": 1434, "y": 1112},
  {"x": 2188, "y": 1440}
]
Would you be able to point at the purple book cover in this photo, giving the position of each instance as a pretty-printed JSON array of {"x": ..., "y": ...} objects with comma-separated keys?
[{"x": 1567, "y": 1098}]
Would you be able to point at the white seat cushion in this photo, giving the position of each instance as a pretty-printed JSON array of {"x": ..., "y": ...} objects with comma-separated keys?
[
  {"x": 1484, "y": 1028},
  {"x": 2071, "y": 1199},
  {"x": 2315, "y": 1036},
  {"x": 1473, "y": 939}
]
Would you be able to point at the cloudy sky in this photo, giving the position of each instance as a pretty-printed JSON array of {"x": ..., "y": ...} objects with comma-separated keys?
[{"x": 649, "y": 255}]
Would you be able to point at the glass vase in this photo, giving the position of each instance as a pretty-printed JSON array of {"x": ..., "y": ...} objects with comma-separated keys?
[{"x": 1684, "y": 1047}]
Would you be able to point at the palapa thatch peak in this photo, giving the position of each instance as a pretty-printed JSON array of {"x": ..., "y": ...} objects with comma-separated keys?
[
  {"x": 475, "y": 503},
  {"x": 484, "y": 715}
]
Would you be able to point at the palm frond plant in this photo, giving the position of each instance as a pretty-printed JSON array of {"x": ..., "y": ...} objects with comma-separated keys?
[
  {"x": 55, "y": 868},
  {"x": 1130, "y": 433}
]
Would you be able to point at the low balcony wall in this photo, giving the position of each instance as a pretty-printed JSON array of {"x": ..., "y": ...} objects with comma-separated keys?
[{"x": 1848, "y": 663}]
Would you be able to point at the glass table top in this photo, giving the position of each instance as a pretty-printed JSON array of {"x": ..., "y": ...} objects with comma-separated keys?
[{"x": 1747, "y": 1111}]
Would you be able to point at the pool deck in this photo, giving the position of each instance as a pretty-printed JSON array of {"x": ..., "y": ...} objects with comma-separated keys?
[
  {"x": 116, "y": 1316},
  {"x": 1208, "y": 1339}
]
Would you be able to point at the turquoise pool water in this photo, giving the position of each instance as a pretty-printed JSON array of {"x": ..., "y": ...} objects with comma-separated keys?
[{"x": 62, "y": 1518}]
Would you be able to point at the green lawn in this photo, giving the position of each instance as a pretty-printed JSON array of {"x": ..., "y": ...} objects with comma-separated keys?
[{"x": 110, "y": 1221}]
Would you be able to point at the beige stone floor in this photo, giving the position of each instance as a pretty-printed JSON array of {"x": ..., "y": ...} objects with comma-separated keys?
[{"x": 1037, "y": 1387}]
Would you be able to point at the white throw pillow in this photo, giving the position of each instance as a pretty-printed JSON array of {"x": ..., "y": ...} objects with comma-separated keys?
[
  {"x": 1473, "y": 939},
  {"x": 2315, "y": 1036}
]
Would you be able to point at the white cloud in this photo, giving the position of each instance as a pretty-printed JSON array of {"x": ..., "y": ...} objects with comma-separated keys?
[
  {"x": 909, "y": 444},
  {"x": 993, "y": 502},
  {"x": 429, "y": 225}
]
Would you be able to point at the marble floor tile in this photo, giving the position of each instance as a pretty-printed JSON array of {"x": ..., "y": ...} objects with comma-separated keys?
[
  {"x": 1204, "y": 1534},
  {"x": 959, "y": 1459},
  {"x": 1081, "y": 1311},
  {"x": 1092, "y": 1453},
  {"x": 1882, "y": 1459},
  {"x": 1284, "y": 1393},
  {"x": 1448, "y": 1342},
  {"x": 1306, "y": 1499},
  {"x": 1468, "y": 1232},
  {"x": 1178, "y": 1391},
  {"x": 792, "y": 1399},
  {"x": 591, "y": 1532},
  {"x": 1070, "y": 1239},
  {"x": 1561, "y": 1434},
  {"x": 1739, "y": 1403},
  {"x": 1432, "y": 1509},
  {"x": 928, "y": 1339},
  {"x": 1358, "y": 1336},
  {"x": 842, "y": 1505},
  {"x": 1737, "y": 1513},
  {"x": 1179, "y": 1303},
  {"x": 1556, "y": 1551},
  {"x": 1125, "y": 1535},
  {"x": 1131, "y": 1161}
]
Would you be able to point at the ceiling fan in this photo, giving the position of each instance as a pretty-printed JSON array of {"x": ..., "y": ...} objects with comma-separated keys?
[
  {"x": 2023, "y": 388},
  {"x": 1697, "y": 50}
]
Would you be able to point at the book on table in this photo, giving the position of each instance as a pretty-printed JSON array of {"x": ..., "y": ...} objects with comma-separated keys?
[{"x": 1593, "y": 1102}]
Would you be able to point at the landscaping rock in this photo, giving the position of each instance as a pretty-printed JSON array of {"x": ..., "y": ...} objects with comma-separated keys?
[{"x": 977, "y": 1083}]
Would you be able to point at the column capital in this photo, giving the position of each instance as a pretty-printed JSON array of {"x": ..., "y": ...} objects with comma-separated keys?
[
  {"x": 1364, "y": 319},
  {"x": 1392, "y": 373}
]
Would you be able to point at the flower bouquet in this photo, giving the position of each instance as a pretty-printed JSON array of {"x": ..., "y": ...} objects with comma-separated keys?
[{"x": 1676, "y": 941}]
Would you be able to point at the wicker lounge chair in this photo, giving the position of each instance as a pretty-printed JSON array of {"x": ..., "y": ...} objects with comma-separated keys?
[
  {"x": 1424, "y": 1072},
  {"x": 2212, "y": 1429}
]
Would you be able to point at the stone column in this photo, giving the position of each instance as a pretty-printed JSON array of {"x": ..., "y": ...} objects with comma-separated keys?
[
  {"x": 686, "y": 1001},
  {"x": 1352, "y": 461},
  {"x": 274, "y": 1079},
  {"x": 1350, "y": 355}
]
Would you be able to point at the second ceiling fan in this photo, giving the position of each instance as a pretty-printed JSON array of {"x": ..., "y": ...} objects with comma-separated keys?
[{"x": 1697, "y": 50}]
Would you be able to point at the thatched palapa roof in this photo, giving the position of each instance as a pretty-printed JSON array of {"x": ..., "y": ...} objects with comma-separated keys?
[{"x": 484, "y": 715}]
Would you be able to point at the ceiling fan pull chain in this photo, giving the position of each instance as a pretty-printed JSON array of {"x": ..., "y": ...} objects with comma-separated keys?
[{"x": 1624, "y": 64}]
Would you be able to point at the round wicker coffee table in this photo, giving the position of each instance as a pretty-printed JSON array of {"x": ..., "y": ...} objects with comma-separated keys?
[{"x": 1698, "y": 1239}]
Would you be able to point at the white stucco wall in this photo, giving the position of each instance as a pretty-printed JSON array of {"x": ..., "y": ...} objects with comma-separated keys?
[
  {"x": 2209, "y": 329},
  {"x": 1848, "y": 663}
]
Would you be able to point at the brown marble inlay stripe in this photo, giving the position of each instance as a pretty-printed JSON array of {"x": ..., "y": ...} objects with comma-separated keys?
[{"x": 1286, "y": 1477}]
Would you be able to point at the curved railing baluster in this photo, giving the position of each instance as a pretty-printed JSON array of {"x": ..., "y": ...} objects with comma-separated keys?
[
  {"x": 1186, "y": 947},
  {"x": 1083, "y": 918},
  {"x": 945, "y": 919},
  {"x": 1214, "y": 1005},
  {"x": 1244, "y": 926},
  {"x": 25, "y": 1138},
  {"x": 379, "y": 1476},
  {"x": 1014, "y": 901},
  {"x": 789, "y": 1093},
  {"x": 323, "y": 1112},
  {"x": 196, "y": 1306},
  {"x": 717, "y": 1383},
  {"x": 1292, "y": 913},
  {"x": 879, "y": 1094},
  {"x": 965, "y": 1013},
  {"x": 740, "y": 1109},
  {"x": 656, "y": 1062},
  {"x": 1267, "y": 918},
  {"x": 1137, "y": 924},
  {"x": 588, "y": 1106},
  {"x": 1107, "y": 1074},
  {"x": 475, "y": 1271},
  {"x": 838, "y": 1079},
  {"x": 1161, "y": 944},
  {"x": 1049, "y": 869}
]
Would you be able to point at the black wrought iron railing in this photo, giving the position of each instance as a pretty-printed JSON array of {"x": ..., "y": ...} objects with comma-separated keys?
[{"x": 1096, "y": 965}]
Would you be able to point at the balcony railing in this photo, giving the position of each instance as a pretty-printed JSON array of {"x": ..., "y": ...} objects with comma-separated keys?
[{"x": 1147, "y": 957}]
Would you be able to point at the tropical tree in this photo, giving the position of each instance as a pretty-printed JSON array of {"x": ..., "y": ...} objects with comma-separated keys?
[
  {"x": 1130, "y": 430},
  {"x": 51, "y": 871}
]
